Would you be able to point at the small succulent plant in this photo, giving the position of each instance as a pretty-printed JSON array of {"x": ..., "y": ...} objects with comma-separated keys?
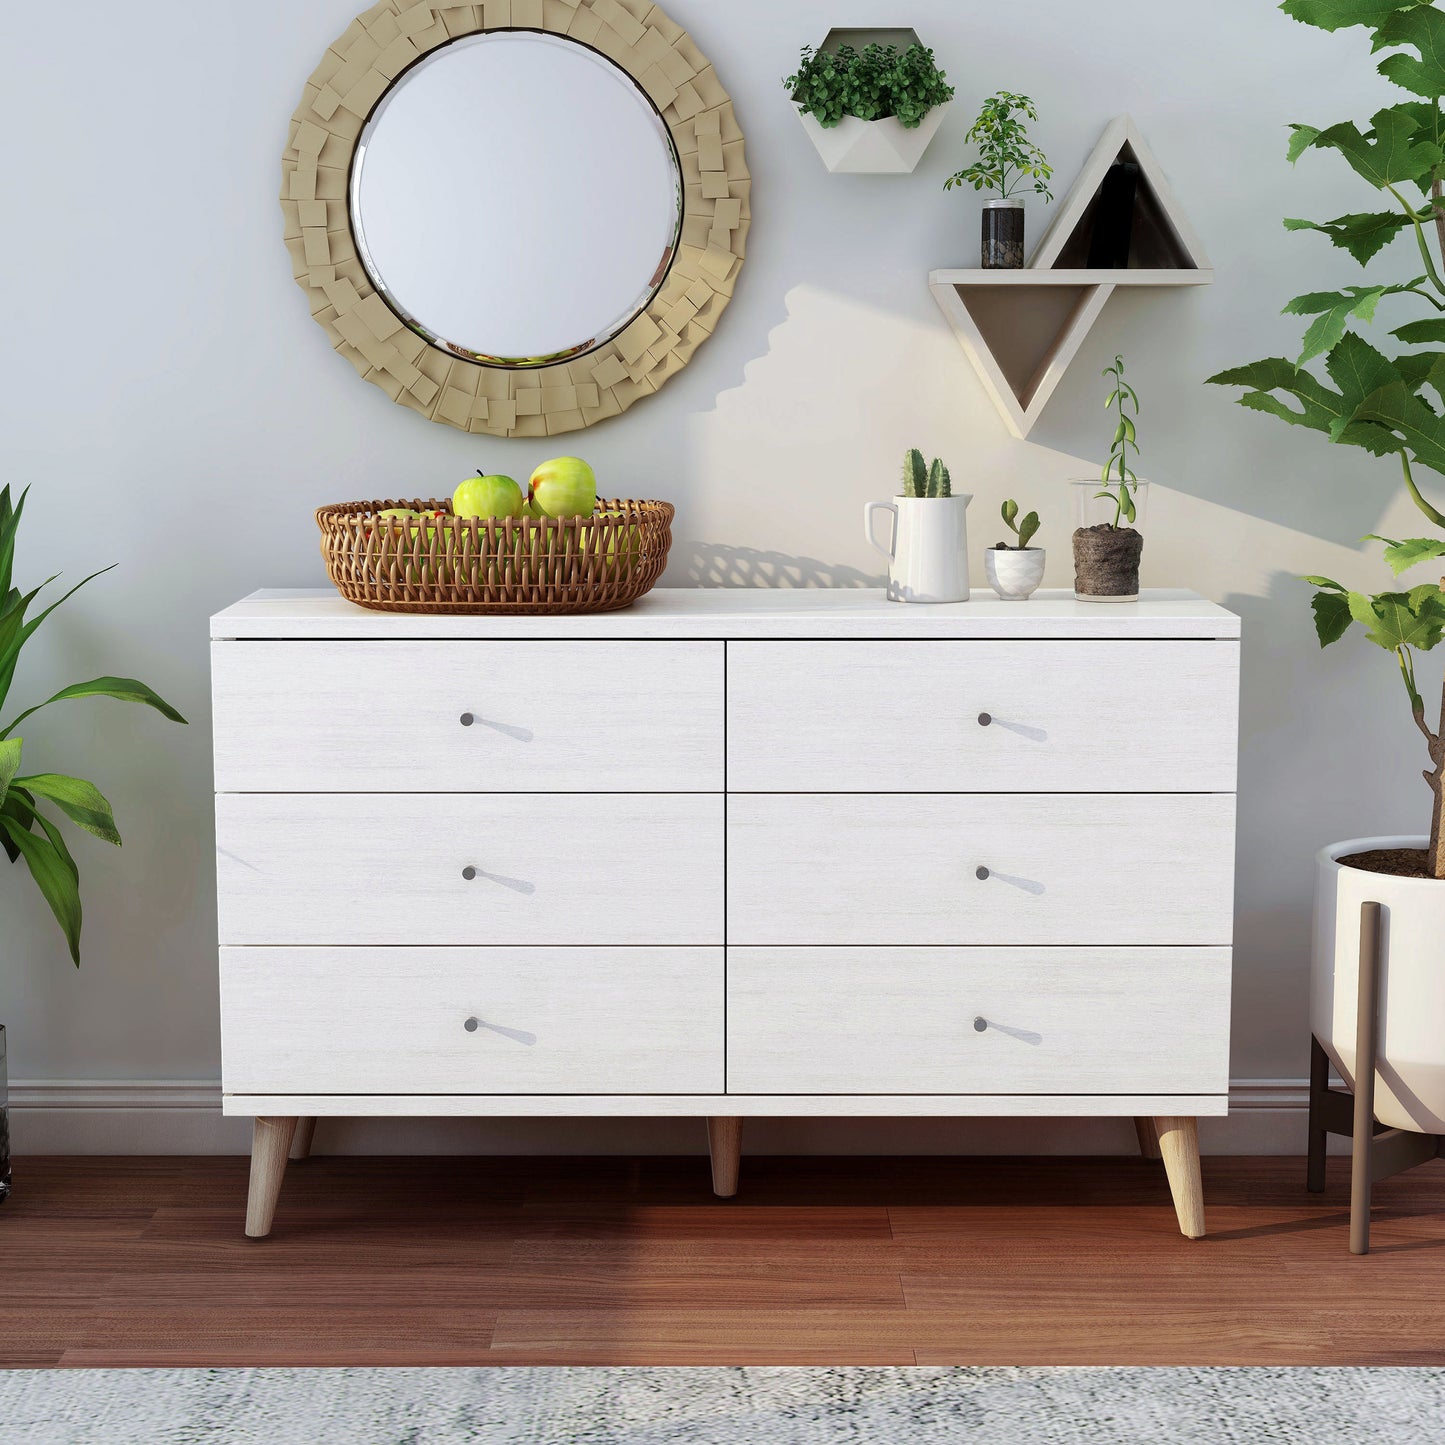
[
  {"x": 921, "y": 480},
  {"x": 1023, "y": 530}
]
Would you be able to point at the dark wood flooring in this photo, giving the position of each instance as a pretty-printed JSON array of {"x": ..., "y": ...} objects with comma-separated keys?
[{"x": 130, "y": 1262}]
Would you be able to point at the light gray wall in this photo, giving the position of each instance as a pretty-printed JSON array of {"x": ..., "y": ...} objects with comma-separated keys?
[{"x": 175, "y": 409}]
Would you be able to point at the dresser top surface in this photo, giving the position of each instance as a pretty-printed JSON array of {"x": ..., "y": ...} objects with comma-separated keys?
[{"x": 686, "y": 612}]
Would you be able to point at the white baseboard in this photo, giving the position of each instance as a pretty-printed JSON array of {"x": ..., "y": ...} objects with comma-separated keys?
[{"x": 1267, "y": 1116}]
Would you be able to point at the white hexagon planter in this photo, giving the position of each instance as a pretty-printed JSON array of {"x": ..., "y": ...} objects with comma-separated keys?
[{"x": 873, "y": 147}]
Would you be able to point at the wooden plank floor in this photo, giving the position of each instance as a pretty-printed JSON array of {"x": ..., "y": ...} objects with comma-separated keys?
[{"x": 130, "y": 1262}]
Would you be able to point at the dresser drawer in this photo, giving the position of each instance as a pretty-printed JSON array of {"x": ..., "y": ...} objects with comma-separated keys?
[
  {"x": 386, "y": 717},
  {"x": 297, "y": 868},
  {"x": 544, "y": 1020},
  {"x": 1124, "y": 716},
  {"x": 903, "y": 869},
  {"x": 905, "y": 1021}
]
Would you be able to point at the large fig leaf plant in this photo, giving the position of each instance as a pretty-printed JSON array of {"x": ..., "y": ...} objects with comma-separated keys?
[
  {"x": 27, "y": 829},
  {"x": 1387, "y": 397}
]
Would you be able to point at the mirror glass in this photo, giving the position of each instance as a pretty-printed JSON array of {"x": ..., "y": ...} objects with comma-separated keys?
[{"x": 516, "y": 198}]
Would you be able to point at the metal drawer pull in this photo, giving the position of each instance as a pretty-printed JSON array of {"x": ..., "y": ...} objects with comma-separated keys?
[
  {"x": 517, "y": 885},
  {"x": 518, "y": 1036},
  {"x": 469, "y": 872},
  {"x": 979, "y": 1024},
  {"x": 984, "y": 719},
  {"x": 980, "y": 872},
  {"x": 511, "y": 730}
]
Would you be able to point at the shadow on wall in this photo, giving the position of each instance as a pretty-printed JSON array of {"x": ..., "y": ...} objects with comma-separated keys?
[{"x": 710, "y": 564}]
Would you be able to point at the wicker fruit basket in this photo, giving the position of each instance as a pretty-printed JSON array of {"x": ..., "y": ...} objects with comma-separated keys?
[{"x": 468, "y": 564}]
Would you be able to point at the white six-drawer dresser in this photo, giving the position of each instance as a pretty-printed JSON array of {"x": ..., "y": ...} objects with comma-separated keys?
[{"x": 727, "y": 854}]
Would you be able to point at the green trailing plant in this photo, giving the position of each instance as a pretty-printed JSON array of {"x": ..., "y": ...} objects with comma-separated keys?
[
  {"x": 1023, "y": 529},
  {"x": 872, "y": 83},
  {"x": 26, "y": 829},
  {"x": 1008, "y": 161},
  {"x": 923, "y": 480},
  {"x": 1117, "y": 476},
  {"x": 1385, "y": 400}
]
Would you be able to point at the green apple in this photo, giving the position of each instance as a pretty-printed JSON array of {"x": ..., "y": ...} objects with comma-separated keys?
[
  {"x": 564, "y": 487},
  {"x": 491, "y": 497}
]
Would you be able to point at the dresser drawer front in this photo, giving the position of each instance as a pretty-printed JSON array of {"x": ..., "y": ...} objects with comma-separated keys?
[
  {"x": 902, "y": 869},
  {"x": 904, "y": 1021},
  {"x": 394, "y": 1020},
  {"x": 547, "y": 716},
  {"x": 604, "y": 869},
  {"x": 905, "y": 716}
]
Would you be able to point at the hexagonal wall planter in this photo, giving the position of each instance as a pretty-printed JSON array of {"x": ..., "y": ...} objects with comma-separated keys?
[{"x": 872, "y": 147}]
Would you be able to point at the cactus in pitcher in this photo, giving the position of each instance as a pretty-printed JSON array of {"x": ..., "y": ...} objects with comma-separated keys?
[{"x": 922, "y": 480}]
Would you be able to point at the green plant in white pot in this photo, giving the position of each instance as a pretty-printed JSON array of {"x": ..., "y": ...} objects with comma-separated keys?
[
  {"x": 1386, "y": 401},
  {"x": 1015, "y": 569},
  {"x": 34, "y": 806},
  {"x": 870, "y": 111}
]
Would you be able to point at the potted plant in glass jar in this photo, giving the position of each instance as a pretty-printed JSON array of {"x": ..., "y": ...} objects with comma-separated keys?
[
  {"x": 1008, "y": 161},
  {"x": 1109, "y": 510}
]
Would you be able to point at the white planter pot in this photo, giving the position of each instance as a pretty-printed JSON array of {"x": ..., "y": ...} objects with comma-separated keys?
[
  {"x": 1410, "y": 1073},
  {"x": 875, "y": 147},
  {"x": 1014, "y": 573},
  {"x": 927, "y": 549}
]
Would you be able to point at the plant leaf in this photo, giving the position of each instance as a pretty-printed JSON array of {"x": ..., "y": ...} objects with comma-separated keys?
[
  {"x": 13, "y": 639},
  {"x": 1332, "y": 616},
  {"x": 1339, "y": 14},
  {"x": 1401, "y": 619},
  {"x": 1423, "y": 432},
  {"x": 126, "y": 689},
  {"x": 1390, "y": 152},
  {"x": 1362, "y": 234},
  {"x": 1027, "y": 528},
  {"x": 9, "y": 525},
  {"x": 82, "y": 802},
  {"x": 1417, "y": 333},
  {"x": 1404, "y": 555},
  {"x": 9, "y": 764},
  {"x": 1422, "y": 28},
  {"x": 54, "y": 872}
]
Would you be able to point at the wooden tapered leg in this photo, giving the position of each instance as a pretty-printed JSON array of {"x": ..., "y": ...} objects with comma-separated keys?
[
  {"x": 1148, "y": 1139},
  {"x": 270, "y": 1144},
  {"x": 301, "y": 1142},
  {"x": 1179, "y": 1146},
  {"x": 725, "y": 1144}
]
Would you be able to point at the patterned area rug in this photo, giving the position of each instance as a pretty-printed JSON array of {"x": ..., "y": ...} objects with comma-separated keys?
[{"x": 984, "y": 1406}]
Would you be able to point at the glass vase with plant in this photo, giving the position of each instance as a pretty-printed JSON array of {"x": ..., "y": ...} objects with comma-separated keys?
[
  {"x": 29, "y": 830},
  {"x": 1008, "y": 162},
  {"x": 1109, "y": 509}
]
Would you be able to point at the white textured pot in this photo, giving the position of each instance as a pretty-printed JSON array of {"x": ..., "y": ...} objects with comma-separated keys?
[
  {"x": 1014, "y": 572},
  {"x": 1410, "y": 1072},
  {"x": 875, "y": 147}
]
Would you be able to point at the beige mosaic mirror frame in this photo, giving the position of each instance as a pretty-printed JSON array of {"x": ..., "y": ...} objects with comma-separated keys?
[{"x": 356, "y": 72}]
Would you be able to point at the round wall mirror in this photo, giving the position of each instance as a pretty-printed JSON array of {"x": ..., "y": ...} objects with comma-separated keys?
[
  {"x": 516, "y": 198},
  {"x": 520, "y": 217}
]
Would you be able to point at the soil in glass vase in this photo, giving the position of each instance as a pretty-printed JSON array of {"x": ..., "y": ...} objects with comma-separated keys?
[
  {"x": 1108, "y": 539},
  {"x": 1002, "y": 239}
]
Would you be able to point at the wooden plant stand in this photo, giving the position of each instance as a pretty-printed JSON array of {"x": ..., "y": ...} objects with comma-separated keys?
[{"x": 1378, "y": 1151}]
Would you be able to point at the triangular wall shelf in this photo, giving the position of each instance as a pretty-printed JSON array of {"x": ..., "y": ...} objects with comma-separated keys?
[{"x": 1021, "y": 329}]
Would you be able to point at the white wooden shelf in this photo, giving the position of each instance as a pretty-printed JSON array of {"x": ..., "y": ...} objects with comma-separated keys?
[{"x": 1021, "y": 329}]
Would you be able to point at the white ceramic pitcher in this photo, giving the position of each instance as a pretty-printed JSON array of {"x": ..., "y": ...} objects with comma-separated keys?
[{"x": 927, "y": 549}]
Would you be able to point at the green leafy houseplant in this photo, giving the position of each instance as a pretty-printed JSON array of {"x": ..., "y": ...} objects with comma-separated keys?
[
  {"x": 1386, "y": 403},
  {"x": 1124, "y": 399},
  {"x": 1023, "y": 530},
  {"x": 26, "y": 830},
  {"x": 871, "y": 84},
  {"x": 920, "y": 480},
  {"x": 1007, "y": 159}
]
